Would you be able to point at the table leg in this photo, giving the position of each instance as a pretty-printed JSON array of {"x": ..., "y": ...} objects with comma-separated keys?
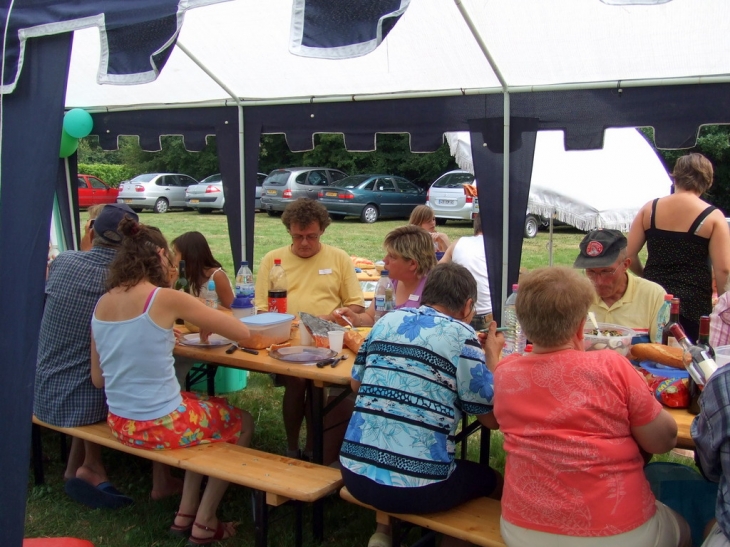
[
  {"x": 484, "y": 445},
  {"x": 317, "y": 398}
]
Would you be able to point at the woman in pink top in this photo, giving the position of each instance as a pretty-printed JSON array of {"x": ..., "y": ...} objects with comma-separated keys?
[{"x": 577, "y": 426}]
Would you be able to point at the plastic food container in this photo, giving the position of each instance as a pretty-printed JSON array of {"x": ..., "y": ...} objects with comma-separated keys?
[
  {"x": 266, "y": 329},
  {"x": 613, "y": 337}
]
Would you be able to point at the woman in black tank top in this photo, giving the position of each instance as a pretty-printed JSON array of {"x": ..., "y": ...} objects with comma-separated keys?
[{"x": 681, "y": 259}]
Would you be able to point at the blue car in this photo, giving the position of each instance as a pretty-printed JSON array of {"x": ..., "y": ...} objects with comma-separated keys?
[{"x": 371, "y": 197}]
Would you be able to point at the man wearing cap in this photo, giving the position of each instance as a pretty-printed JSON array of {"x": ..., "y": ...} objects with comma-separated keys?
[
  {"x": 621, "y": 298},
  {"x": 64, "y": 394}
]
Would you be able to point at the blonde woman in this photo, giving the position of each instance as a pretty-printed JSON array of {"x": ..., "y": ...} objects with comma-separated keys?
[{"x": 424, "y": 217}]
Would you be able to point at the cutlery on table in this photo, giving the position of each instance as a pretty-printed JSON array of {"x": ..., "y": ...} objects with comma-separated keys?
[
  {"x": 332, "y": 361},
  {"x": 235, "y": 346}
]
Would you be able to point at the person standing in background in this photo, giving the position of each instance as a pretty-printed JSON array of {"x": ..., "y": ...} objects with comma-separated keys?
[
  {"x": 684, "y": 235},
  {"x": 469, "y": 252}
]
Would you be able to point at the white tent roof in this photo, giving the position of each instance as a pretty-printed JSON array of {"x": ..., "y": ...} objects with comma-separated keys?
[
  {"x": 590, "y": 188},
  {"x": 245, "y": 44}
]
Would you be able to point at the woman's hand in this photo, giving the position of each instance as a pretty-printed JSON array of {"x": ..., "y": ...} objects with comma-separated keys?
[
  {"x": 341, "y": 316},
  {"x": 441, "y": 239},
  {"x": 492, "y": 344}
]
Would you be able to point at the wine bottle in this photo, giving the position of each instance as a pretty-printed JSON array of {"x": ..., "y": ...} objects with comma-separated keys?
[
  {"x": 182, "y": 284},
  {"x": 702, "y": 342},
  {"x": 667, "y": 338},
  {"x": 697, "y": 361}
]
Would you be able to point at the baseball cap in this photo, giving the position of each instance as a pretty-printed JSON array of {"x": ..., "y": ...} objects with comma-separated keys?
[
  {"x": 106, "y": 224},
  {"x": 600, "y": 248}
]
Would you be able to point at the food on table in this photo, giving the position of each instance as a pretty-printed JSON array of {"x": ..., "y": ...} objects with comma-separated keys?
[
  {"x": 318, "y": 328},
  {"x": 353, "y": 340},
  {"x": 659, "y": 353},
  {"x": 362, "y": 263},
  {"x": 274, "y": 347},
  {"x": 612, "y": 336}
]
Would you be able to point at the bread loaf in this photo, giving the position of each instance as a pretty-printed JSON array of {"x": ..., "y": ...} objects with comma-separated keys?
[
  {"x": 353, "y": 340},
  {"x": 659, "y": 353}
]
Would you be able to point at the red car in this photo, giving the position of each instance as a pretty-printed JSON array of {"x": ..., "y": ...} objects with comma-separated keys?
[{"x": 94, "y": 191}]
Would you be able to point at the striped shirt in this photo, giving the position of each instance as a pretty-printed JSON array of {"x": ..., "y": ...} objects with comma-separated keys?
[{"x": 419, "y": 370}]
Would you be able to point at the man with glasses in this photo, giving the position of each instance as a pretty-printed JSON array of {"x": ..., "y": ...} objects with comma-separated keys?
[
  {"x": 621, "y": 298},
  {"x": 320, "y": 278}
]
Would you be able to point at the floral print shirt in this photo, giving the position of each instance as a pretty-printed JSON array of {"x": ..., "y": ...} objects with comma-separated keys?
[{"x": 419, "y": 370}]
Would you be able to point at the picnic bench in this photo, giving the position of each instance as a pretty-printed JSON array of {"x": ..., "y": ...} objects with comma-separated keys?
[
  {"x": 274, "y": 479},
  {"x": 476, "y": 521}
]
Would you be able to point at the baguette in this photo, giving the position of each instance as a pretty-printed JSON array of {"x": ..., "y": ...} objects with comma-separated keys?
[
  {"x": 353, "y": 340},
  {"x": 659, "y": 353}
]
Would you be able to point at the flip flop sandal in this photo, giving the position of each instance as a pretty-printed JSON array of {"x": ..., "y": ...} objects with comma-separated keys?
[
  {"x": 182, "y": 531},
  {"x": 379, "y": 539},
  {"x": 102, "y": 496},
  {"x": 220, "y": 531}
]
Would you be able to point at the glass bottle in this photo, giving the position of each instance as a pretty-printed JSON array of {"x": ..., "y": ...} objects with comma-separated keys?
[
  {"x": 277, "y": 288},
  {"x": 667, "y": 338},
  {"x": 702, "y": 342},
  {"x": 697, "y": 361}
]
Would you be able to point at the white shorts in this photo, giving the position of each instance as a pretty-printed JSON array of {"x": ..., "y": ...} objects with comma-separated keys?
[
  {"x": 661, "y": 530},
  {"x": 716, "y": 538}
]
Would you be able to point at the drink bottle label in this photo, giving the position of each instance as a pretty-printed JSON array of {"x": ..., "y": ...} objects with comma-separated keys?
[{"x": 277, "y": 301}]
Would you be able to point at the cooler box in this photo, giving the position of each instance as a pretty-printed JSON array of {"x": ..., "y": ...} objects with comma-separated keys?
[{"x": 227, "y": 380}]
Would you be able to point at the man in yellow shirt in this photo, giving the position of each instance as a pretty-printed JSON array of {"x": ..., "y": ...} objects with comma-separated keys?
[
  {"x": 320, "y": 278},
  {"x": 621, "y": 298}
]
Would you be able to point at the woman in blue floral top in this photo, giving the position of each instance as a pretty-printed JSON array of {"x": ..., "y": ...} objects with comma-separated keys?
[{"x": 414, "y": 375}]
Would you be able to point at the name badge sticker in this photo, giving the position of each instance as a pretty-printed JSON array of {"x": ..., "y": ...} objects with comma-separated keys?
[
  {"x": 413, "y": 297},
  {"x": 326, "y": 271}
]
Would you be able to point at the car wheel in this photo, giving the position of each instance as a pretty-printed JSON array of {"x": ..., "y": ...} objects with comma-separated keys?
[
  {"x": 369, "y": 214},
  {"x": 161, "y": 206},
  {"x": 273, "y": 213},
  {"x": 204, "y": 210},
  {"x": 334, "y": 216},
  {"x": 531, "y": 225},
  {"x": 440, "y": 221}
]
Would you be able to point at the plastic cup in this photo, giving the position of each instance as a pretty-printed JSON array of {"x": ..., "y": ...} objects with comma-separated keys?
[
  {"x": 336, "y": 338},
  {"x": 305, "y": 339}
]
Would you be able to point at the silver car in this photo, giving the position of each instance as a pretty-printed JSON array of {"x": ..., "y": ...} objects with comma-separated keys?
[
  {"x": 284, "y": 186},
  {"x": 449, "y": 199},
  {"x": 156, "y": 191},
  {"x": 208, "y": 194}
]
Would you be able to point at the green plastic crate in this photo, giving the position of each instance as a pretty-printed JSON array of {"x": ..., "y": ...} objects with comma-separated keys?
[{"x": 227, "y": 380}]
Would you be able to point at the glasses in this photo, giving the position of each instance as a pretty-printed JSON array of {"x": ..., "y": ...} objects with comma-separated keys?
[
  {"x": 308, "y": 237},
  {"x": 603, "y": 274}
]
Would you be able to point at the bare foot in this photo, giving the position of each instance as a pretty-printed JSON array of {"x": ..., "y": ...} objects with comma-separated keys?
[
  {"x": 95, "y": 478},
  {"x": 170, "y": 487}
]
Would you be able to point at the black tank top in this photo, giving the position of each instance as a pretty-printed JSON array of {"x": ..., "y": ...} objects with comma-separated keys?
[{"x": 680, "y": 262}]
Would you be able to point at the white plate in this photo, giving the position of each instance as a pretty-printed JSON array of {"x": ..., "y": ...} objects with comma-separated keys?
[
  {"x": 214, "y": 340},
  {"x": 304, "y": 355}
]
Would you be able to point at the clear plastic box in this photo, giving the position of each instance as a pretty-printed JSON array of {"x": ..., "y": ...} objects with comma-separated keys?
[
  {"x": 613, "y": 337},
  {"x": 266, "y": 329}
]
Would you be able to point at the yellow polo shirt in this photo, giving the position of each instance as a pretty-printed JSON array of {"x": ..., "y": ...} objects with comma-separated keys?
[
  {"x": 316, "y": 285},
  {"x": 636, "y": 309}
]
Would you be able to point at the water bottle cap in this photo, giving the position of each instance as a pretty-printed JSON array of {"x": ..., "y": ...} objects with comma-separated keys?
[
  {"x": 384, "y": 273},
  {"x": 244, "y": 263},
  {"x": 515, "y": 287},
  {"x": 277, "y": 261},
  {"x": 668, "y": 297},
  {"x": 241, "y": 302},
  {"x": 211, "y": 285}
]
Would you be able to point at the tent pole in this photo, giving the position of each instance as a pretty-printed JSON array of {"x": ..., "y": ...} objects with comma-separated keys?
[
  {"x": 72, "y": 213},
  {"x": 241, "y": 155},
  {"x": 506, "y": 136}
]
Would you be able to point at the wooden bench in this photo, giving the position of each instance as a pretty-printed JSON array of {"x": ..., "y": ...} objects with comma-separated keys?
[
  {"x": 476, "y": 521},
  {"x": 274, "y": 479}
]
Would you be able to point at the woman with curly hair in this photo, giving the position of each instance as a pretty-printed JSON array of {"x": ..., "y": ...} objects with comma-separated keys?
[
  {"x": 193, "y": 248},
  {"x": 131, "y": 358}
]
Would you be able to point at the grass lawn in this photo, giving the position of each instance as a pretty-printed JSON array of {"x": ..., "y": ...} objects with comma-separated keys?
[{"x": 51, "y": 513}]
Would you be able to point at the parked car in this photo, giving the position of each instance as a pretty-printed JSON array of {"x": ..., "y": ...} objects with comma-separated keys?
[
  {"x": 156, "y": 191},
  {"x": 283, "y": 186},
  {"x": 94, "y": 191},
  {"x": 450, "y": 200},
  {"x": 371, "y": 197},
  {"x": 208, "y": 194}
]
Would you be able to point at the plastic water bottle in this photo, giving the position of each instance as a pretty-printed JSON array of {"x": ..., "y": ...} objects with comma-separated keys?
[
  {"x": 208, "y": 294},
  {"x": 662, "y": 318},
  {"x": 277, "y": 288},
  {"x": 384, "y": 298},
  {"x": 244, "y": 283},
  {"x": 514, "y": 337}
]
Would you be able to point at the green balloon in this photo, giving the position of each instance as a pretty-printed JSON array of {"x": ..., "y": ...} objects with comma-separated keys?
[
  {"x": 78, "y": 123},
  {"x": 69, "y": 144}
]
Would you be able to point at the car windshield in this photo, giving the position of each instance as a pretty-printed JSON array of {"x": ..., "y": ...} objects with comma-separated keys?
[
  {"x": 277, "y": 178},
  {"x": 212, "y": 178},
  {"x": 351, "y": 182},
  {"x": 144, "y": 178}
]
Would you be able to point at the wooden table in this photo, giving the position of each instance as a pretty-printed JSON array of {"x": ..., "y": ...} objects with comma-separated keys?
[{"x": 684, "y": 421}]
